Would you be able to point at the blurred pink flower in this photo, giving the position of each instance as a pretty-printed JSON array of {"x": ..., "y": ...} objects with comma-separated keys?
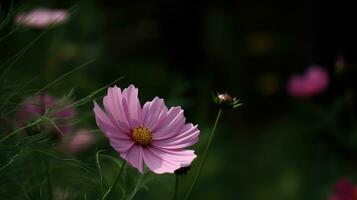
[
  {"x": 344, "y": 190},
  {"x": 313, "y": 82},
  {"x": 81, "y": 141},
  {"x": 151, "y": 134},
  {"x": 42, "y": 17},
  {"x": 40, "y": 105}
]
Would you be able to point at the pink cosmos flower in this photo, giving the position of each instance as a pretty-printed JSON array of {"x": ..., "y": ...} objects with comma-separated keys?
[
  {"x": 42, "y": 17},
  {"x": 344, "y": 190},
  {"x": 313, "y": 82},
  {"x": 152, "y": 135},
  {"x": 37, "y": 106},
  {"x": 81, "y": 141}
]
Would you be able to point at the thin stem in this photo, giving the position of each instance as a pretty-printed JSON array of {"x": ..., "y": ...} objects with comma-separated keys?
[
  {"x": 110, "y": 190},
  {"x": 20, "y": 129},
  {"x": 12, "y": 61},
  {"x": 100, "y": 172},
  {"x": 204, "y": 157},
  {"x": 63, "y": 76},
  {"x": 8, "y": 34},
  {"x": 349, "y": 92},
  {"x": 49, "y": 184},
  {"x": 177, "y": 177},
  {"x": 137, "y": 186}
]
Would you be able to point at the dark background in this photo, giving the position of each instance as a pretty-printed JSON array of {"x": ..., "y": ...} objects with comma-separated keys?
[{"x": 275, "y": 146}]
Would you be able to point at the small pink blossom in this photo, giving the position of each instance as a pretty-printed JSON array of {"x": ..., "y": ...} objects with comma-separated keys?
[
  {"x": 80, "y": 141},
  {"x": 42, "y": 17},
  {"x": 313, "y": 82},
  {"x": 344, "y": 190},
  {"x": 152, "y": 135},
  {"x": 34, "y": 107}
]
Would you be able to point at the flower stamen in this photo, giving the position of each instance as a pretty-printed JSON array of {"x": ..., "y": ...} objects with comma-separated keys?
[{"x": 141, "y": 135}]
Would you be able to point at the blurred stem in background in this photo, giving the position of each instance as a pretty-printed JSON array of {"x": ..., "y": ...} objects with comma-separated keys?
[
  {"x": 53, "y": 57},
  {"x": 204, "y": 156},
  {"x": 177, "y": 180},
  {"x": 47, "y": 168},
  {"x": 137, "y": 186},
  {"x": 117, "y": 178},
  {"x": 20, "y": 129},
  {"x": 344, "y": 72},
  {"x": 349, "y": 92}
]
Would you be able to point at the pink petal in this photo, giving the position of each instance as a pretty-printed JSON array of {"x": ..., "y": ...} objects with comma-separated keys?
[
  {"x": 296, "y": 86},
  {"x": 66, "y": 113},
  {"x": 40, "y": 18},
  {"x": 184, "y": 157},
  {"x": 167, "y": 161},
  {"x": 344, "y": 188},
  {"x": 106, "y": 124},
  {"x": 47, "y": 100},
  {"x": 185, "y": 138},
  {"x": 113, "y": 105},
  {"x": 154, "y": 113},
  {"x": 314, "y": 81},
  {"x": 80, "y": 141},
  {"x": 135, "y": 157},
  {"x": 121, "y": 145},
  {"x": 65, "y": 128},
  {"x": 334, "y": 198},
  {"x": 174, "y": 122},
  {"x": 131, "y": 106},
  {"x": 157, "y": 164},
  {"x": 317, "y": 78}
]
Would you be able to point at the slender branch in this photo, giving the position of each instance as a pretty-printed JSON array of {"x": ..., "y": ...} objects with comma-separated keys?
[
  {"x": 63, "y": 76},
  {"x": 110, "y": 189},
  {"x": 177, "y": 177},
  {"x": 137, "y": 186},
  {"x": 100, "y": 171},
  {"x": 49, "y": 184},
  {"x": 89, "y": 98},
  {"x": 204, "y": 157},
  {"x": 20, "y": 129}
]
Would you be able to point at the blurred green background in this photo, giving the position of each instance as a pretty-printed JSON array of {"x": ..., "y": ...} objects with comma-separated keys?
[{"x": 274, "y": 147}]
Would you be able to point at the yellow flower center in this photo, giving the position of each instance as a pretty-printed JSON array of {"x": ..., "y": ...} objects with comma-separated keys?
[{"x": 141, "y": 135}]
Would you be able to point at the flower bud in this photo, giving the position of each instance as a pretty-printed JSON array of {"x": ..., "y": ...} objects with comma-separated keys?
[{"x": 224, "y": 100}]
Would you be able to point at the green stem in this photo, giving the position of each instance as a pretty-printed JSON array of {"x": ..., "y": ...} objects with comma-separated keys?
[
  {"x": 350, "y": 98},
  {"x": 204, "y": 157},
  {"x": 20, "y": 129},
  {"x": 177, "y": 177},
  {"x": 8, "y": 34},
  {"x": 100, "y": 173},
  {"x": 132, "y": 195},
  {"x": 49, "y": 184},
  {"x": 110, "y": 189}
]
